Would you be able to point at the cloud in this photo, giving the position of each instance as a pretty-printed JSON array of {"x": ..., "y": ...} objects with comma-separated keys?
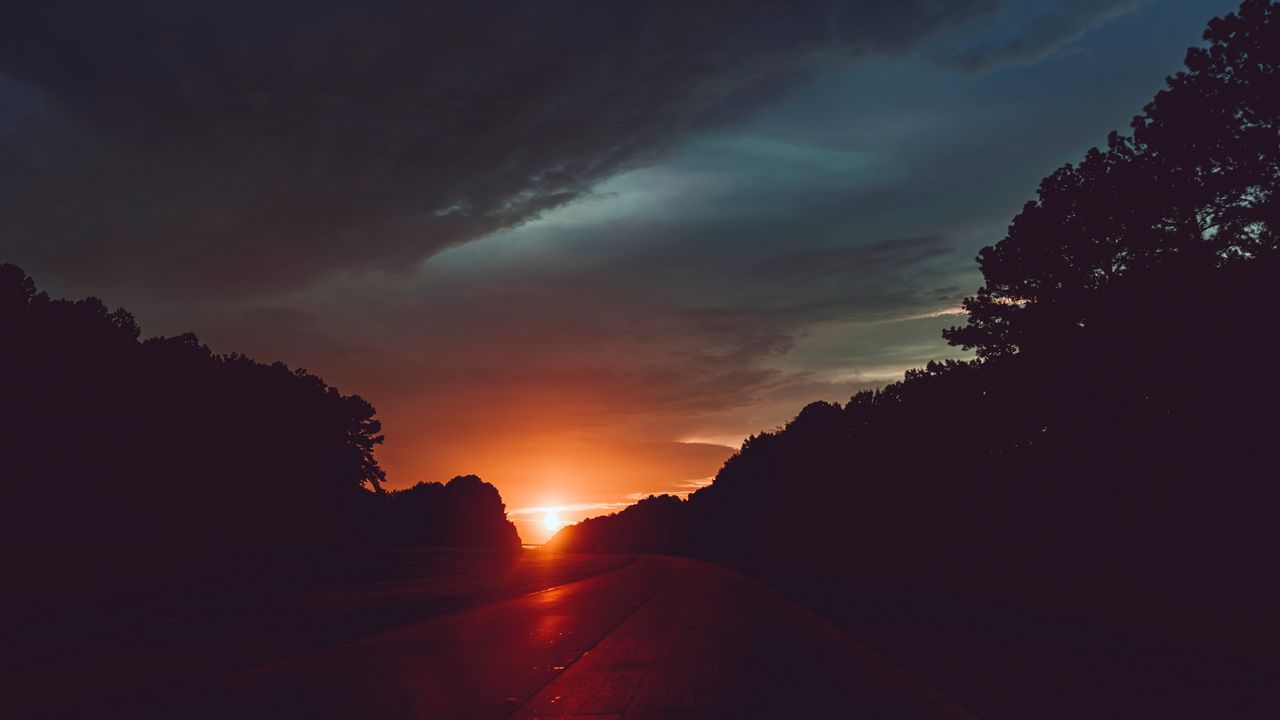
[
  {"x": 1044, "y": 34},
  {"x": 540, "y": 510},
  {"x": 644, "y": 222},
  {"x": 242, "y": 146}
]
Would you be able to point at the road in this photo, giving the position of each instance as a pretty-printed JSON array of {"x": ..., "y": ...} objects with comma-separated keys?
[
  {"x": 90, "y": 629},
  {"x": 658, "y": 637}
]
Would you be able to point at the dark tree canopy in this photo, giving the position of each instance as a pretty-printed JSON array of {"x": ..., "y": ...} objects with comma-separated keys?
[
  {"x": 1194, "y": 185},
  {"x": 465, "y": 512},
  {"x": 105, "y": 438},
  {"x": 656, "y": 524}
]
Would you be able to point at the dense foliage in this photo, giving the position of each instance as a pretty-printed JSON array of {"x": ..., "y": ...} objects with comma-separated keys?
[
  {"x": 1194, "y": 186},
  {"x": 658, "y": 523},
  {"x": 1111, "y": 448},
  {"x": 105, "y": 438},
  {"x": 465, "y": 512}
]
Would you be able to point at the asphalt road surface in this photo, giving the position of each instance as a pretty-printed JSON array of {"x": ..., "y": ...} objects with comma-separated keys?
[
  {"x": 658, "y": 637},
  {"x": 92, "y": 628}
]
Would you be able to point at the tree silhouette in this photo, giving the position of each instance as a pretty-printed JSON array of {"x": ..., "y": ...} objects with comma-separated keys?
[
  {"x": 655, "y": 524},
  {"x": 465, "y": 512},
  {"x": 1194, "y": 185},
  {"x": 107, "y": 439}
]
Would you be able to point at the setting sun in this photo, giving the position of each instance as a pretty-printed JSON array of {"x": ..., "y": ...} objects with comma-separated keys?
[{"x": 551, "y": 521}]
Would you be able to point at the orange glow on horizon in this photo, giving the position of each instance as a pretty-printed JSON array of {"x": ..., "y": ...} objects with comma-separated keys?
[{"x": 541, "y": 471}]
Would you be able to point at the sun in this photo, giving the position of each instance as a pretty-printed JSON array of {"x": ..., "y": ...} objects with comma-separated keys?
[{"x": 551, "y": 521}]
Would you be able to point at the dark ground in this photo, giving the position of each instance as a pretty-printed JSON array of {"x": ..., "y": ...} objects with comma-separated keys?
[
  {"x": 1007, "y": 662},
  {"x": 85, "y": 626},
  {"x": 660, "y": 637},
  {"x": 88, "y": 632}
]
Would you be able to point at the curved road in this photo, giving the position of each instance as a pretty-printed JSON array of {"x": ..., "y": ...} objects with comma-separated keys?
[{"x": 658, "y": 637}]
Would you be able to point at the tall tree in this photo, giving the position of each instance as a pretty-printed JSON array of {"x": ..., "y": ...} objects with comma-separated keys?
[{"x": 1194, "y": 185}]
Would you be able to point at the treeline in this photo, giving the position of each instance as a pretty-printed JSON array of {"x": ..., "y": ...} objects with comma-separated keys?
[
  {"x": 465, "y": 512},
  {"x": 656, "y": 524},
  {"x": 105, "y": 438},
  {"x": 1112, "y": 448}
]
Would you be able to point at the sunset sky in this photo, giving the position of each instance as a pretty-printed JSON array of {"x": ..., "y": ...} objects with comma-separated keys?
[{"x": 580, "y": 249}]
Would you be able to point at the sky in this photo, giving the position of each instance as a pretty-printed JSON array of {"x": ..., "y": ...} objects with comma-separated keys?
[{"x": 580, "y": 249}]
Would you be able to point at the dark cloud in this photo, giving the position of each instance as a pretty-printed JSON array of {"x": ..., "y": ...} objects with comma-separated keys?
[
  {"x": 263, "y": 173},
  {"x": 1061, "y": 24},
  {"x": 241, "y": 145}
]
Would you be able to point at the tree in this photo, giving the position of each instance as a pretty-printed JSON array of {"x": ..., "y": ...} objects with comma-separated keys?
[
  {"x": 104, "y": 437},
  {"x": 1216, "y": 131},
  {"x": 1195, "y": 185}
]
